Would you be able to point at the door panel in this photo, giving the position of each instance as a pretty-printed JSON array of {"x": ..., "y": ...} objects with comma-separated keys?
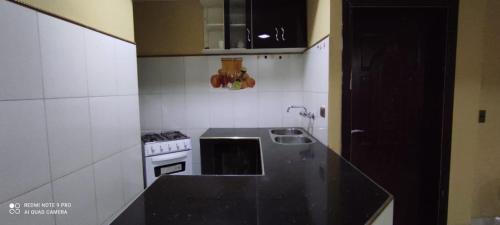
[{"x": 397, "y": 72}]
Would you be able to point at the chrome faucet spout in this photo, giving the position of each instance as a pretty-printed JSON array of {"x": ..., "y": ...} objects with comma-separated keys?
[
  {"x": 296, "y": 107},
  {"x": 304, "y": 113}
]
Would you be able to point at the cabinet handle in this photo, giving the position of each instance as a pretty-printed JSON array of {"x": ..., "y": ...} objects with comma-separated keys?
[
  {"x": 357, "y": 131},
  {"x": 248, "y": 35},
  {"x": 276, "y": 36},
  {"x": 283, "y": 33}
]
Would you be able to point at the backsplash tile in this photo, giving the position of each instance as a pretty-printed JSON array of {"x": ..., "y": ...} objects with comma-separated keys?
[
  {"x": 270, "y": 109},
  {"x": 100, "y": 65},
  {"x": 221, "y": 109},
  {"x": 41, "y": 194},
  {"x": 68, "y": 152},
  {"x": 281, "y": 81},
  {"x": 109, "y": 190},
  {"x": 245, "y": 109},
  {"x": 69, "y": 103},
  {"x": 151, "y": 112},
  {"x": 105, "y": 126},
  {"x": 63, "y": 51},
  {"x": 132, "y": 177},
  {"x": 19, "y": 118},
  {"x": 77, "y": 189},
  {"x": 197, "y": 74},
  {"x": 125, "y": 67},
  {"x": 198, "y": 110},
  {"x": 20, "y": 53},
  {"x": 173, "y": 111}
]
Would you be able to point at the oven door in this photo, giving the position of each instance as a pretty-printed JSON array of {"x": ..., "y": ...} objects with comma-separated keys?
[{"x": 178, "y": 163}]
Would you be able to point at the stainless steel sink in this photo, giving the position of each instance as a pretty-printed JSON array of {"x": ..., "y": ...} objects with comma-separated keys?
[
  {"x": 290, "y": 136},
  {"x": 292, "y": 140},
  {"x": 286, "y": 131}
]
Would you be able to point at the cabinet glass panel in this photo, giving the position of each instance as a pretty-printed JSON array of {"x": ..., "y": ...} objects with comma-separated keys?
[
  {"x": 213, "y": 13},
  {"x": 238, "y": 24}
]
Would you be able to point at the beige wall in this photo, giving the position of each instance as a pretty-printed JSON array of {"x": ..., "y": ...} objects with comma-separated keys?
[
  {"x": 466, "y": 104},
  {"x": 318, "y": 20},
  {"x": 486, "y": 190},
  {"x": 110, "y": 16},
  {"x": 169, "y": 28},
  {"x": 335, "y": 79}
]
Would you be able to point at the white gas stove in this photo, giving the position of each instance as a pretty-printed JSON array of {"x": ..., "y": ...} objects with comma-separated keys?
[{"x": 166, "y": 152}]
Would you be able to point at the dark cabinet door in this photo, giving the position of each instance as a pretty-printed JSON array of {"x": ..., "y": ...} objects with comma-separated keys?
[
  {"x": 265, "y": 23},
  {"x": 279, "y": 23},
  {"x": 292, "y": 24},
  {"x": 237, "y": 16}
]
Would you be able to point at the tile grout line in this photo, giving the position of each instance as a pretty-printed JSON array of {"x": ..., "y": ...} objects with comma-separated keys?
[
  {"x": 68, "y": 174},
  {"x": 42, "y": 72},
  {"x": 70, "y": 97},
  {"x": 91, "y": 128}
]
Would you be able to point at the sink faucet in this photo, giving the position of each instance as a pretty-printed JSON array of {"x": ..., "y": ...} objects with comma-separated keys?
[
  {"x": 304, "y": 113},
  {"x": 295, "y": 107}
]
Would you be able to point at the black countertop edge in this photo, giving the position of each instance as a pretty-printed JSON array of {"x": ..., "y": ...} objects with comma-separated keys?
[{"x": 302, "y": 184}]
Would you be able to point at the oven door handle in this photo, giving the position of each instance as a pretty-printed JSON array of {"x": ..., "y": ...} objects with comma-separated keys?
[{"x": 167, "y": 157}]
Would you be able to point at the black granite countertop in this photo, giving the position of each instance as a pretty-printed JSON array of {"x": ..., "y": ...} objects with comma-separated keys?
[{"x": 302, "y": 184}]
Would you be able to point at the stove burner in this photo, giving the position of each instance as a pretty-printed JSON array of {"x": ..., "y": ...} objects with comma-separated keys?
[
  {"x": 173, "y": 135},
  {"x": 152, "y": 137},
  {"x": 163, "y": 136}
]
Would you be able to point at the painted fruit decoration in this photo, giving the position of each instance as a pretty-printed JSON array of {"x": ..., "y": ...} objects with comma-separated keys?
[{"x": 232, "y": 75}]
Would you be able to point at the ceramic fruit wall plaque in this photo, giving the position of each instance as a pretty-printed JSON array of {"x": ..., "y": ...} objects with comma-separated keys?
[{"x": 232, "y": 75}]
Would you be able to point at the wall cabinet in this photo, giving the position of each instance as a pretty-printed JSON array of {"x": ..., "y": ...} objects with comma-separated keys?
[
  {"x": 255, "y": 24},
  {"x": 279, "y": 23}
]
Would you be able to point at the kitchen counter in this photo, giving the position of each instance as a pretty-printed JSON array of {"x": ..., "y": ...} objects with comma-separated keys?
[{"x": 301, "y": 184}]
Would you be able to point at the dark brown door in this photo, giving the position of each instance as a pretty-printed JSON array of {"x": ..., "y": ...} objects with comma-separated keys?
[{"x": 396, "y": 105}]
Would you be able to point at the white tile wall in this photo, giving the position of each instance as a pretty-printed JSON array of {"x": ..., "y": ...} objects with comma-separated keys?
[
  {"x": 131, "y": 167},
  {"x": 316, "y": 88},
  {"x": 173, "y": 70},
  {"x": 69, "y": 151},
  {"x": 245, "y": 109},
  {"x": 63, "y": 57},
  {"x": 68, "y": 105},
  {"x": 292, "y": 118},
  {"x": 197, "y": 74},
  {"x": 77, "y": 189},
  {"x": 173, "y": 108},
  {"x": 100, "y": 65},
  {"x": 129, "y": 128},
  {"x": 21, "y": 72},
  {"x": 24, "y": 161},
  {"x": 193, "y": 106},
  {"x": 316, "y": 68},
  {"x": 197, "y": 111},
  {"x": 105, "y": 126},
  {"x": 221, "y": 109},
  {"x": 109, "y": 190},
  {"x": 270, "y": 109},
  {"x": 41, "y": 194},
  {"x": 125, "y": 67},
  {"x": 151, "y": 112}
]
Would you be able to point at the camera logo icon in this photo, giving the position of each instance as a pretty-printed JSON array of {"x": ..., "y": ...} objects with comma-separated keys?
[{"x": 15, "y": 208}]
